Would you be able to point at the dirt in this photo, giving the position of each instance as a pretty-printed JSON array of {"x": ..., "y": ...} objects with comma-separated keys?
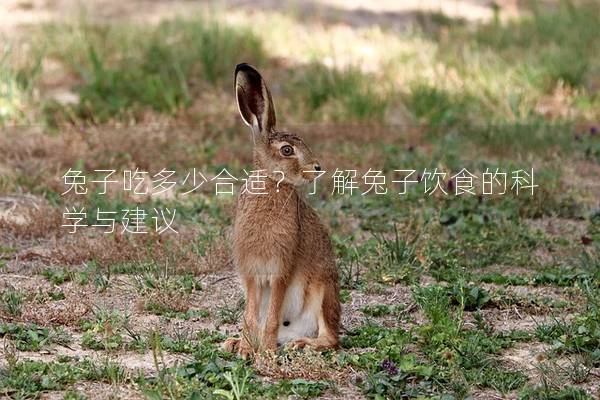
[{"x": 100, "y": 391}]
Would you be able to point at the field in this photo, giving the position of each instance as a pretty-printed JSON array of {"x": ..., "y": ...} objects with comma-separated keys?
[{"x": 492, "y": 292}]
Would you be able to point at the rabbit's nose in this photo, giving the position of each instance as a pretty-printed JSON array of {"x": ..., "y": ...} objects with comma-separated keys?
[{"x": 317, "y": 167}]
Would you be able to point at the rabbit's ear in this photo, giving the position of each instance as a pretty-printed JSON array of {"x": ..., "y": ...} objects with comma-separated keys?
[{"x": 254, "y": 99}]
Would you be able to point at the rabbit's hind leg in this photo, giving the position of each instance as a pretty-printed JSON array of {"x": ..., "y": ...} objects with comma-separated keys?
[{"x": 327, "y": 337}]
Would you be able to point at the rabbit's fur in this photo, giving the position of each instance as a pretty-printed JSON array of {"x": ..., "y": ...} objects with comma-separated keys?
[{"x": 280, "y": 247}]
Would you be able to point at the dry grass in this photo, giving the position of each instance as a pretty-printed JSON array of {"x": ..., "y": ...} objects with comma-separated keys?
[
  {"x": 147, "y": 146},
  {"x": 176, "y": 252},
  {"x": 33, "y": 223},
  {"x": 67, "y": 312},
  {"x": 162, "y": 300},
  {"x": 300, "y": 364}
]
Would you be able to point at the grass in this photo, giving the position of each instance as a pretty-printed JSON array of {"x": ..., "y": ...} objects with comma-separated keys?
[
  {"x": 580, "y": 336},
  {"x": 32, "y": 337},
  {"x": 555, "y": 394},
  {"x": 399, "y": 258},
  {"x": 150, "y": 67},
  {"x": 58, "y": 276},
  {"x": 11, "y": 301},
  {"x": 213, "y": 374},
  {"x": 438, "y": 107},
  {"x": 107, "y": 330},
  {"x": 17, "y": 380},
  {"x": 445, "y": 296},
  {"x": 562, "y": 55},
  {"x": 16, "y": 85},
  {"x": 463, "y": 357},
  {"x": 340, "y": 95},
  {"x": 449, "y": 359},
  {"x": 11, "y": 93}
]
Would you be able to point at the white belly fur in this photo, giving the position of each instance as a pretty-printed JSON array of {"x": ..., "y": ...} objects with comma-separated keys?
[{"x": 303, "y": 320}]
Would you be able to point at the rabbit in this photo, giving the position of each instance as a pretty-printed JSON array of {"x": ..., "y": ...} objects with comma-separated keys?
[{"x": 281, "y": 249}]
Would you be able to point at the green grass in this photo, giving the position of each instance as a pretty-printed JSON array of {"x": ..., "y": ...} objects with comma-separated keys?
[
  {"x": 449, "y": 359},
  {"x": 551, "y": 47},
  {"x": 478, "y": 235},
  {"x": 32, "y": 337},
  {"x": 504, "y": 71},
  {"x": 462, "y": 357},
  {"x": 582, "y": 270},
  {"x": 579, "y": 336},
  {"x": 438, "y": 108},
  {"x": 16, "y": 84},
  {"x": 108, "y": 329},
  {"x": 153, "y": 68},
  {"x": 16, "y": 379},
  {"x": 340, "y": 95},
  {"x": 11, "y": 94},
  {"x": 58, "y": 276},
  {"x": 546, "y": 393},
  {"x": 391, "y": 372},
  {"x": 214, "y": 374},
  {"x": 563, "y": 40},
  {"x": 12, "y": 301}
]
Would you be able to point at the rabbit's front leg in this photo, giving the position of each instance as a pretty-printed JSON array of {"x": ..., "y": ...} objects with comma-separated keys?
[
  {"x": 250, "y": 333},
  {"x": 278, "y": 289}
]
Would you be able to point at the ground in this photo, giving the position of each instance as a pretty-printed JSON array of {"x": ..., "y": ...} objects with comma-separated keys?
[{"x": 444, "y": 295}]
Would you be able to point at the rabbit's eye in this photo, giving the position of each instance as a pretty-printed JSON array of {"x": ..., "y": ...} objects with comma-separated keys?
[{"x": 286, "y": 150}]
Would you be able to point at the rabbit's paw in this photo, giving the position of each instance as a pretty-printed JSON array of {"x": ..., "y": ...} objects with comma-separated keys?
[{"x": 230, "y": 345}]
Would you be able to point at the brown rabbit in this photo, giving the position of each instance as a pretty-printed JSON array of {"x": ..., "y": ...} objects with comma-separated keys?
[{"x": 281, "y": 249}]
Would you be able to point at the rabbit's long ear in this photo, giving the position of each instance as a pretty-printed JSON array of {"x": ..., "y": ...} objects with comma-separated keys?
[{"x": 254, "y": 99}]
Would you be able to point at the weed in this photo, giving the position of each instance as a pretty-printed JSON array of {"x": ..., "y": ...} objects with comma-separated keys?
[
  {"x": 392, "y": 383},
  {"x": 231, "y": 315},
  {"x": 26, "y": 337},
  {"x": 562, "y": 53},
  {"x": 459, "y": 352},
  {"x": 581, "y": 335},
  {"x": 11, "y": 301},
  {"x": 376, "y": 310},
  {"x": 213, "y": 374},
  {"x": 348, "y": 263},
  {"x": 181, "y": 342},
  {"x": 6, "y": 251},
  {"x": 400, "y": 262},
  {"x": 152, "y": 67},
  {"x": 338, "y": 95},
  {"x": 478, "y": 234},
  {"x": 376, "y": 336},
  {"x": 237, "y": 378},
  {"x": 504, "y": 280},
  {"x": 58, "y": 276},
  {"x": 545, "y": 393},
  {"x": 16, "y": 85},
  {"x": 73, "y": 395},
  {"x": 105, "y": 331},
  {"x": 56, "y": 376},
  {"x": 469, "y": 297},
  {"x": 437, "y": 107},
  {"x": 298, "y": 387}
]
